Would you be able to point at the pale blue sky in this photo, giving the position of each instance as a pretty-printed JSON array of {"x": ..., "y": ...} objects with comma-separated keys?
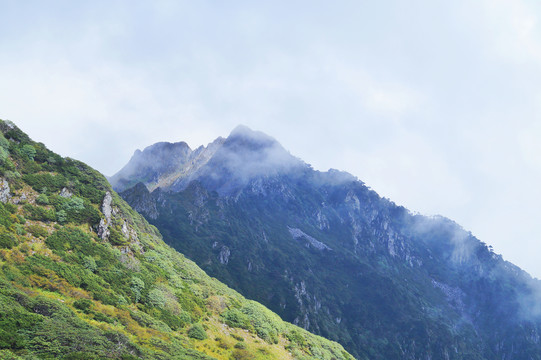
[{"x": 434, "y": 104}]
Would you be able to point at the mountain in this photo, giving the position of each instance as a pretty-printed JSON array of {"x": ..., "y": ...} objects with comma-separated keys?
[
  {"x": 225, "y": 165},
  {"x": 83, "y": 276},
  {"x": 327, "y": 253}
]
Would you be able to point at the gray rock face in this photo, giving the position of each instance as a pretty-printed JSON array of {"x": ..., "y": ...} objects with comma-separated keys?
[
  {"x": 106, "y": 209},
  {"x": 66, "y": 193},
  {"x": 225, "y": 253},
  {"x": 5, "y": 193},
  {"x": 142, "y": 200},
  {"x": 106, "y": 206},
  {"x": 310, "y": 241}
]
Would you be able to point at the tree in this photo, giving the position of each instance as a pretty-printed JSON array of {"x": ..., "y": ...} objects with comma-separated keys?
[
  {"x": 197, "y": 332},
  {"x": 137, "y": 285},
  {"x": 29, "y": 151}
]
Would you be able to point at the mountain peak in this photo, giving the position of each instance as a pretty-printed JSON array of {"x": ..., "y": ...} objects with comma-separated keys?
[
  {"x": 149, "y": 164},
  {"x": 225, "y": 165},
  {"x": 243, "y": 131},
  {"x": 245, "y": 139}
]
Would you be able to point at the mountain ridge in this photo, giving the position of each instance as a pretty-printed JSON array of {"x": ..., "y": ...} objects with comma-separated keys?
[
  {"x": 83, "y": 276},
  {"x": 227, "y": 154},
  {"x": 394, "y": 285}
]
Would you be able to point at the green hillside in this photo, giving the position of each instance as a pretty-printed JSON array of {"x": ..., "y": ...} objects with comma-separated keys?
[{"x": 83, "y": 276}]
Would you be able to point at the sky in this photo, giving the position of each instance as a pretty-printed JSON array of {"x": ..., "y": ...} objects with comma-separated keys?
[{"x": 436, "y": 105}]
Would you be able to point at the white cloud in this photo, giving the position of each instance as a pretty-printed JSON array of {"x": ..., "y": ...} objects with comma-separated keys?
[{"x": 513, "y": 29}]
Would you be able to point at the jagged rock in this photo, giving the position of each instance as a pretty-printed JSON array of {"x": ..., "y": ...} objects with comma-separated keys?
[
  {"x": 106, "y": 209},
  {"x": 322, "y": 221},
  {"x": 103, "y": 231},
  {"x": 299, "y": 234},
  {"x": 66, "y": 193},
  {"x": 225, "y": 253},
  {"x": 142, "y": 200},
  {"x": 125, "y": 230},
  {"x": 5, "y": 193}
]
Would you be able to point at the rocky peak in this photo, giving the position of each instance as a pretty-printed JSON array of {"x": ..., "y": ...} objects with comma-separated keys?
[
  {"x": 151, "y": 164},
  {"x": 245, "y": 139},
  {"x": 225, "y": 165},
  {"x": 246, "y": 155}
]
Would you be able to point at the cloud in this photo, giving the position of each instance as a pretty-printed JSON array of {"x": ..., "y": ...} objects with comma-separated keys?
[
  {"x": 434, "y": 105},
  {"x": 513, "y": 29}
]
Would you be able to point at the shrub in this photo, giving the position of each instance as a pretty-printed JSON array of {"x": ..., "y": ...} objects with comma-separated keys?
[
  {"x": 53, "y": 183},
  {"x": 39, "y": 213},
  {"x": 3, "y": 155},
  {"x": 175, "y": 322},
  {"x": 8, "y": 355},
  {"x": 42, "y": 199},
  {"x": 29, "y": 151},
  {"x": 62, "y": 216},
  {"x": 137, "y": 285},
  {"x": 240, "y": 345},
  {"x": 7, "y": 241},
  {"x": 156, "y": 298},
  {"x": 103, "y": 318},
  {"x": 237, "y": 319},
  {"x": 82, "y": 304},
  {"x": 116, "y": 237},
  {"x": 90, "y": 264},
  {"x": 19, "y": 229},
  {"x": 197, "y": 332},
  {"x": 237, "y": 337},
  {"x": 37, "y": 231},
  {"x": 121, "y": 301},
  {"x": 241, "y": 354}
]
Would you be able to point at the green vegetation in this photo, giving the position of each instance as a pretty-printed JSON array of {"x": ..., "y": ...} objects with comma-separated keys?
[
  {"x": 197, "y": 332},
  {"x": 66, "y": 293}
]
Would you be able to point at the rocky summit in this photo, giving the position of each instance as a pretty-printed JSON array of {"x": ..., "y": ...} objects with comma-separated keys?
[{"x": 327, "y": 253}]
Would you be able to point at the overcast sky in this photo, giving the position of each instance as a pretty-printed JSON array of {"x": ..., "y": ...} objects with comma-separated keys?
[{"x": 434, "y": 104}]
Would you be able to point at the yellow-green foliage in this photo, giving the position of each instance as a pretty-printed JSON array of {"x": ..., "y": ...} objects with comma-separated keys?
[{"x": 66, "y": 293}]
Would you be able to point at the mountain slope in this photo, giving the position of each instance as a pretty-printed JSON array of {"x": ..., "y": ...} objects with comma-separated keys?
[
  {"x": 327, "y": 253},
  {"x": 83, "y": 276}
]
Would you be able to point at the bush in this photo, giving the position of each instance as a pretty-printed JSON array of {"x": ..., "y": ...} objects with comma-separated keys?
[
  {"x": 62, "y": 216},
  {"x": 116, "y": 237},
  {"x": 240, "y": 345},
  {"x": 237, "y": 319},
  {"x": 156, "y": 298},
  {"x": 241, "y": 354},
  {"x": 197, "y": 332},
  {"x": 175, "y": 322},
  {"x": 103, "y": 318},
  {"x": 37, "y": 231},
  {"x": 137, "y": 285},
  {"x": 29, "y": 151},
  {"x": 90, "y": 264},
  {"x": 82, "y": 304},
  {"x": 8, "y": 355},
  {"x": 53, "y": 183},
  {"x": 39, "y": 213},
  {"x": 7, "y": 241},
  {"x": 42, "y": 199}
]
